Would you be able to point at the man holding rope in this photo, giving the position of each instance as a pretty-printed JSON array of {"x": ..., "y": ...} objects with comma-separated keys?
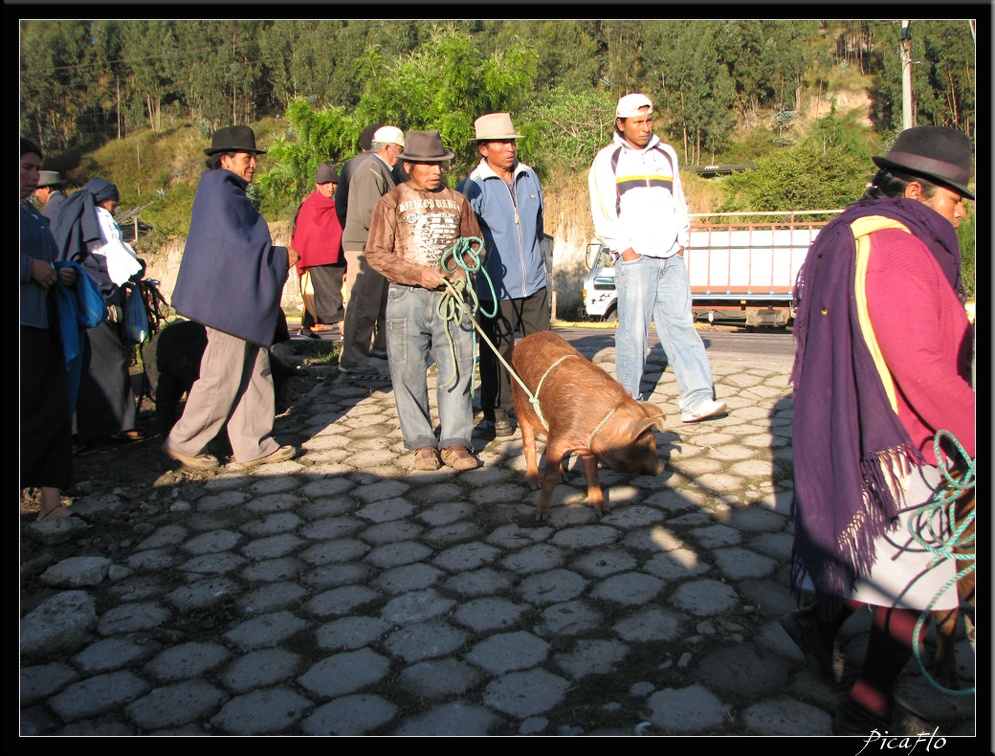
[
  {"x": 419, "y": 241},
  {"x": 874, "y": 383}
]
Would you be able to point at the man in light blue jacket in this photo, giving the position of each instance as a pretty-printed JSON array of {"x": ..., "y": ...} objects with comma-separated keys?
[{"x": 507, "y": 200}]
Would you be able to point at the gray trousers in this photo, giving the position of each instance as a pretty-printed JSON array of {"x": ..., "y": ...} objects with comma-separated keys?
[
  {"x": 235, "y": 387},
  {"x": 364, "y": 312}
]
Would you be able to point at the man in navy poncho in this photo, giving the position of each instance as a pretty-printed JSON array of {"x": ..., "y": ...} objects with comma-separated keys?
[{"x": 230, "y": 280}]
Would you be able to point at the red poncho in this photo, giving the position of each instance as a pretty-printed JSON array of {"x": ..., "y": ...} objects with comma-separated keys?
[{"x": 317, "y": 233}]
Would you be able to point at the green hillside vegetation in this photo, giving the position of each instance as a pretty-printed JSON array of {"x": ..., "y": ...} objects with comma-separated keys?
[{"x": 807, "y": 102}]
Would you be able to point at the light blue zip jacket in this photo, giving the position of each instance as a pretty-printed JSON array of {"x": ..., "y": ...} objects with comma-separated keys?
[{"x": 512, "y": 229}]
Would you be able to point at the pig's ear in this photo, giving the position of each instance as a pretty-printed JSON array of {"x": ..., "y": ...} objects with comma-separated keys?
[{"x": 654, "y": 413}]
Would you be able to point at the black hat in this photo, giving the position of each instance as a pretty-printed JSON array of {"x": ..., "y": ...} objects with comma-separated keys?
[
  {"x": 366, "y": 138},
  {"x": 424, "y": 147},
  {"x": 326, "y": 174},
  {"x": 234, "y": 139},
  {"x": 935, "y": 153}
]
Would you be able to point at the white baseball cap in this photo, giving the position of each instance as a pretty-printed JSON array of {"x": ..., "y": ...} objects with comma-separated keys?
[
  {"x": 629, "y": 106},
  {"x": 389, "y": 135}
]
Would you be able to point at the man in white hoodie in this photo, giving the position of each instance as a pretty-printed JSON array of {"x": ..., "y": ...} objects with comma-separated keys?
[{"x": 641, "y": 215}]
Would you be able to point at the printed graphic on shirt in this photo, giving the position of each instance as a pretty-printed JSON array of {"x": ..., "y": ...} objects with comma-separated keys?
[{"x": 431, "y": 233}]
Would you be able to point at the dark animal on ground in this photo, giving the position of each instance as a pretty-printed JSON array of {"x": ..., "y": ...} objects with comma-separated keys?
[
  {"x": 945, "y": 659},
  {"x": 583, "y": 411},
  {"x": 172, "y": 364}
]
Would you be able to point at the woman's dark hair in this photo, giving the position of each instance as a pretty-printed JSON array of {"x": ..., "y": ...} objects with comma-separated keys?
[
  {"x": 27, "y": 147},
  {"x": 890, "y": 184}
]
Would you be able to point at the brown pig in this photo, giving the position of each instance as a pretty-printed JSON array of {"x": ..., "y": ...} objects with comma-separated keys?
[{"x": 581, "y": 410}]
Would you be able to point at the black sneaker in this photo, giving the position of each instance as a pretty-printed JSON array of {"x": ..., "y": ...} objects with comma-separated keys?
[{"x": 802, "y": 627}]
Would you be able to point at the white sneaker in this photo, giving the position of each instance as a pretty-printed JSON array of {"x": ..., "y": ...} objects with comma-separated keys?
[{"x": 705, "y": 411}]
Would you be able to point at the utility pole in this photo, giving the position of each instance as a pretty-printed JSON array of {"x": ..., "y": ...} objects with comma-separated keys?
[{"x": 906, "y": 48}]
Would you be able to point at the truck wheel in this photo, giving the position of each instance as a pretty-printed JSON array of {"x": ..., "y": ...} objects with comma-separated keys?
[{"x": 612, "y": 317}]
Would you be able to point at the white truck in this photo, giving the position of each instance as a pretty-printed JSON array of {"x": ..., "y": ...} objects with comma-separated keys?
[{"x": 740, "y": 270}]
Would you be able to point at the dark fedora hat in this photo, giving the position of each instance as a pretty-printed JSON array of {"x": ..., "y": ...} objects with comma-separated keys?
[
  {"x": 234, "y": 139},
  {"x": 424, "y": 147},
  {"x": 935, "y": 153}
]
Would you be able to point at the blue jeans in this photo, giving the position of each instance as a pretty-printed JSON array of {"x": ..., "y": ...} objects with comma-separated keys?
[
  {"x": 414, "y": 332},
  {"x": 658, "y": 289}
]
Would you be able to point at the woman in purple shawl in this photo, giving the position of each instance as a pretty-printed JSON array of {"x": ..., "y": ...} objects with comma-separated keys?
[{"x": 882, "y": 363}]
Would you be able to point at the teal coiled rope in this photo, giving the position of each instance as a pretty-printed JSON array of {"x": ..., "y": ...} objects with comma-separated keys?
[
  {"x": 941, "y": 545},
  {"x": 452, "y": 306}
]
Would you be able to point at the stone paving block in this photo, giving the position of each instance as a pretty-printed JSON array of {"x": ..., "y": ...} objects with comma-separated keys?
[
  {"x": 742, "y": 670},
  {"x": 338, "y": 601},
  {"x": 271, "y": 597},
  {"x": 330, "y": 528},
  {"x": 676, "y": 565},
  {"x": 380, "y": 491},
  {"x": 716, "y": 536},
  {"x": 262, "y": 712},
  {"x": 437, "y": 679},
  {"x": 272, "y": 547},
  {"x": 525, "y": 694},
  {"x": 44, "y": 680},
  {"x": 737, "y": 563},
  {"x": 349, "y": 715},
  {"x": 165, "y": 536},
  {"x": 202, "y": 594},
  {"x": 345, "y": 673},
  {"x": 187, "y": 660},
  {"x": 273, "y": 570},
  {"x": 466, "y": 556},
  {"x": 350, "y": 633},
  {"x": 410, "y": 577},
  {"x": 629, "y": 589},
  {"x": 153, "y": 559},
  {"x": 569, "y": 618},
  {"x": 653, "y": 623},
  {"x": 452, "y": 719},
  {"x": 213, "y": 564},
  {"x": 705, "y": 598},
  {"x": 552, "y": 587},
  {"x": 97, "y": 695},
  {"x": 330, "y": 506},
  {"x": 272, "y": 524},
  {"x": 538, "y": 558},
  {"x": 397, "y": 554},
  {"x": 633, "y": 516},
  {"x": 449, "y": 493},
  {"x": 260, "y": 669},
  {"x": 110, "y": 654},
  {"x": 213, "y": 542},
  {"x": 332, "y": 575},
  {"x": 603, "y": 562},
  {"x": 391, "y": 532},
  {"x": 505, "y": 652},
  {"x": 107, "y": 727},
  {"x": 585, "y": 537},
  {"x": 323, "y": 488},
  {"x": 416, "y": 606},
  {"x": 786, "y": 716},
  {"x": 446, "y": 512},
  {"x": 489, "y": 613},
  {"x": 424, "y": 640},
  {"x": 482, "y": 582},
  {"x": 506, "y": 492},
  {"x": 273, "y": 484},
  {"x": 591, "y": 657},
  {"x": 453, "y": 533},
  {"x": 130, "y": 618},
  {"x": 340, "y": 550},
  {"x": 61, "y": 623},
  {"x": 693, "y": 709},
  {"x": 265, "y": 631}
]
